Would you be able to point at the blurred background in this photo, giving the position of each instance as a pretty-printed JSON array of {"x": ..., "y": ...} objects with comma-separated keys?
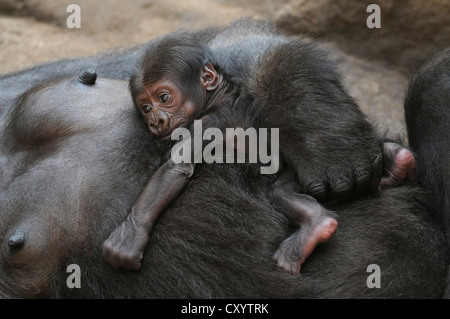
[{"x": 376, "y": 63}]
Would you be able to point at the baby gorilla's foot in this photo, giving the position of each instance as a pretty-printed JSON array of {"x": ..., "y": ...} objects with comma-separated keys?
[
  {"x": 293, "y": 251},
  {"x": 399, "y": 165}
]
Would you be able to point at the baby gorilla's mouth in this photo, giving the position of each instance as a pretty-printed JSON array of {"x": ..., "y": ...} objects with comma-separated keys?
[
  {"x": 159, "y": 124},
  {"x": 159, "y": 131}
]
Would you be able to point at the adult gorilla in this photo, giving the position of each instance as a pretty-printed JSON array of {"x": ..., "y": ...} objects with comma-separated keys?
[
  {"x": 427, "y": 117},
  {"x": 74, "y": 156}
]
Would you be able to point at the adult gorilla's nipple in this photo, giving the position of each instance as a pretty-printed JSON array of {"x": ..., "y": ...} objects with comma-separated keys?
[
  {"x": 17, "y": 240},
  {"x": 88, "y": 77}
]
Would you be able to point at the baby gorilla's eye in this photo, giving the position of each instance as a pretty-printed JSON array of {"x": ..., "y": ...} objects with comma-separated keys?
[
  {"x": 146, "y": 108},
  {"x": 164, "y": 98}
]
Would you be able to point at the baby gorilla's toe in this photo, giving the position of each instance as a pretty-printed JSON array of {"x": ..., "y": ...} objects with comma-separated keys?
[{"x": 399, "y": 165}]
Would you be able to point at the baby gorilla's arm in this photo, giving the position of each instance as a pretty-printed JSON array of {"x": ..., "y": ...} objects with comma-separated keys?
[{"x": 124, "y": 249}]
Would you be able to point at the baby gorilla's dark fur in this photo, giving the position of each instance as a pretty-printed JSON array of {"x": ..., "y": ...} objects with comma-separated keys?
[{"x": 177, "y": 81}]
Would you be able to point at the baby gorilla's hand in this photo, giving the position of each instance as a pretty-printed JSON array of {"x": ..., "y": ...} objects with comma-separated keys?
[
  {"x": 124, "y": 249},
  {"x": 343, "y": 174}
]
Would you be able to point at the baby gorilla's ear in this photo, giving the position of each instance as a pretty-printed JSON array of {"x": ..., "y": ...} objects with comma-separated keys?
[{"x": 209, "y": 77}]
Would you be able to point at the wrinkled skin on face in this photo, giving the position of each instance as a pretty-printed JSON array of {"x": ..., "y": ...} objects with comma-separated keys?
[{"x": 164, "y": 108}]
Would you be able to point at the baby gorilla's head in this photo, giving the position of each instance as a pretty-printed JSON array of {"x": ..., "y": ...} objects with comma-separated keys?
[{"x": 172, "y": 82}]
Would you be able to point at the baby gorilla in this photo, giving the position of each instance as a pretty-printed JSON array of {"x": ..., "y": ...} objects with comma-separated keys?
[{"x": 179, "y": 81}]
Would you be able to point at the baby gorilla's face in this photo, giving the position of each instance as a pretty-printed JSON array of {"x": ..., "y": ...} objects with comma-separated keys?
[{"x": 165, "y": 108}]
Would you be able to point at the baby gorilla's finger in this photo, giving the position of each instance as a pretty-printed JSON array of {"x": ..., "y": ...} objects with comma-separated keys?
[
  {"x": 362, "y": 180},
  {"x": 110, "y": 256},
  {"x": 119, "y": 258},
  {"x": 340, "y": 188},
  {"x": 377, "y": 170},
  {"x": 131, "y": 262},
  {"x": 317, "y": 189},
  {"x": 124, "y": 247}
]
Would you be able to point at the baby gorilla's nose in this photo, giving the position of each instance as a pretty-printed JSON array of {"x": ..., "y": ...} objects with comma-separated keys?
[{"x": 160, "y": 123}]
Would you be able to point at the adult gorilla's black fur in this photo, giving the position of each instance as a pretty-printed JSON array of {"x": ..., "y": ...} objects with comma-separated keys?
[
  {"x": 217, "y": 239},
  {"x": 427, "y": 111}
]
